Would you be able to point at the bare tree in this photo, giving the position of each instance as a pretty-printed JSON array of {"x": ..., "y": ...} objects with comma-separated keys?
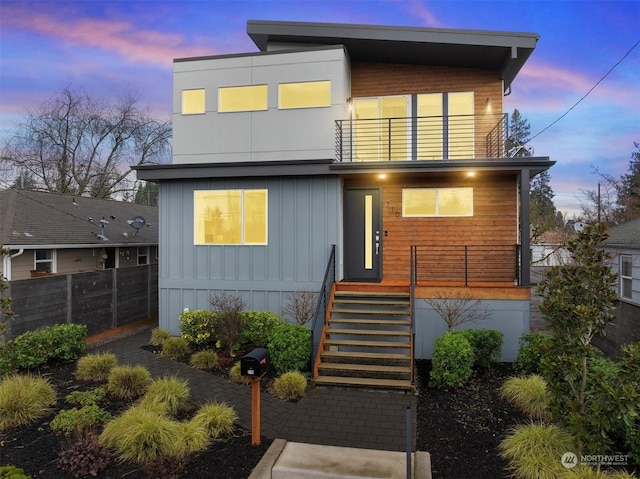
[
  {"x": 81, "y": 145},
  {"x": 228, "y": 323},
  {"x": 459, "y": 308},
  {"x": 301, "y": 305},
  {"x": 600, "y": 205}
]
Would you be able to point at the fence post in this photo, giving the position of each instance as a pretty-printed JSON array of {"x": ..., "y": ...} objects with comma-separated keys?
[
  {"x": 69, "y": 299},
  {"x": 114, "y": 298}
]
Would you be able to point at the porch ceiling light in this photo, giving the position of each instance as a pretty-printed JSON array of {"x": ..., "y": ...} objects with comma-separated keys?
[
  {"x": 382, "y": 176},
  {"x": 471, "y": 174}
]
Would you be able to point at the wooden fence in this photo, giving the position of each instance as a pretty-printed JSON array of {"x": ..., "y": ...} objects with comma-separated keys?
[{"x": 101, "y": 300}]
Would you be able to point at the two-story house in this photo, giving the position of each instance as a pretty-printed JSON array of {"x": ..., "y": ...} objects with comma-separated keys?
[{"x": 368, "y": 163}]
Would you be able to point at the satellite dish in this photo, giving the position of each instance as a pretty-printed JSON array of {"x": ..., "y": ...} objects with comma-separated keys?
[
  {"x": 578, "y": 226},
  {"x": 136, "y": 222}
]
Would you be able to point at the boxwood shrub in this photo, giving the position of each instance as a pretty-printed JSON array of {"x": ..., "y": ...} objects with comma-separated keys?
[
  {"x": 290, "y": 348},
  {"x": 257, "y": 327},
  {"x": 532, "y": 347},
  {"x": 452, "y": 361},
  {"x": 486, "y": 344}
]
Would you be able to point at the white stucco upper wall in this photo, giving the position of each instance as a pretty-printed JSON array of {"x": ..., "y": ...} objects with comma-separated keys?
[{"x": 259, "y": 135}]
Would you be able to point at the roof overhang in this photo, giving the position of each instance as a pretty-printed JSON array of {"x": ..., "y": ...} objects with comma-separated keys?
[{"x": 504, "y": 52}]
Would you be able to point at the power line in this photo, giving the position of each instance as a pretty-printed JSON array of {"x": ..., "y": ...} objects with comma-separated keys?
[{"x": 586, "y": 94}]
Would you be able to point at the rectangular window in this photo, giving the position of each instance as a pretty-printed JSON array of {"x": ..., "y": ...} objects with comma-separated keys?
[
  {"x": 228, "y": 217},
  {"x": 193, "y": 102},
  {"x": 626, "y": 276},
  {"x": 311, "y": 94},
  {"x": 143, "y": 255},
  {"x": 242, "y": 98},
  {"x": 44, "y": 260},
  {"x": 418, "y": 202}
]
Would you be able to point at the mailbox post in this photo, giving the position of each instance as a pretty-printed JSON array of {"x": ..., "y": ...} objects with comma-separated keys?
[{"x": 255, "y": 364}]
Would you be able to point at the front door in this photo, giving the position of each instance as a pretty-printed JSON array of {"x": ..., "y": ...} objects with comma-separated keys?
[{"x": 363, "y": 239}]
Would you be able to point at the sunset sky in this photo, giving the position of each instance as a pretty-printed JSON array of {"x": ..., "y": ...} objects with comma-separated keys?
[{"x": 109, "y": 47}]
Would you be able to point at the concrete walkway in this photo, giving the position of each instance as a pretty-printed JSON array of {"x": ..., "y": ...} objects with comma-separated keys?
[{"x": 333, "y": 417}]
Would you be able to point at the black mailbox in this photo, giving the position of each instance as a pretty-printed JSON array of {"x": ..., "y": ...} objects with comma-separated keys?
[{"x": 255, "y": 363}]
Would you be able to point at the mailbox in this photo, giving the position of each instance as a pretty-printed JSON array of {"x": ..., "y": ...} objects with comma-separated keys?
[{"x": 255, "y": 363}]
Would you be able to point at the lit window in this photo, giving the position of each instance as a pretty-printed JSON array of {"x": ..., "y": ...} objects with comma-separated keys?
[
  {"x": 44, "y": 260},
  {"x": 230, "y": 217},
  {"x": 143, "y": 255},
  {"x": 193, "y": 102},
  {"x": 304, "y": 95},
  {"x": 242, "y": 98},
  {"x": 626, "y": 278},
  {"x": 437, "y": 202}
]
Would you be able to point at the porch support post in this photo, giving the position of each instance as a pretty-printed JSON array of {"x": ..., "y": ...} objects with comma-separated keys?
[{"x": 525, "y": 219}]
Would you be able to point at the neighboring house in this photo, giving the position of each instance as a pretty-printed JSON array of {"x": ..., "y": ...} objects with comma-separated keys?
[
  {"x": 385, "y": 142},
  {"x": 50, "y": 233},
  {"x": 623, "y": 244}
]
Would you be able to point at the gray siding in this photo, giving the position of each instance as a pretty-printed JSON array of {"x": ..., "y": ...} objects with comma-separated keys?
[{"x": 302, "y": 225}]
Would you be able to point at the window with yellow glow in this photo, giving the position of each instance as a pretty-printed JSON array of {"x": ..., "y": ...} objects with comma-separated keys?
[
  {"x": 304, "y": 95},
  {"x": 242, "y": 98},
  {"x": 227, "y": 217},
  {"x": 437, "y": 202},
  {"x": 193, "y": 102}
]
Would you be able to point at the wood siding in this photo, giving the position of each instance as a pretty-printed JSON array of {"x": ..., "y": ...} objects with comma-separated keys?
[{"x": 494, "y": 220}]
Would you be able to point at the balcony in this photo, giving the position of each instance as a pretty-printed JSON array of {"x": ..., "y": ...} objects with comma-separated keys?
[{"x": 453, "y": 137}]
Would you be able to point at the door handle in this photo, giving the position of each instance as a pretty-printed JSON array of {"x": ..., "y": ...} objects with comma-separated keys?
[{"x": 377, "y": 248}]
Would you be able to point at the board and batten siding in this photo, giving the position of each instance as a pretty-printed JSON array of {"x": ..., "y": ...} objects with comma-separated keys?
[
  {"x": 303, "y": 223},
  {"x": 494, "y": 220}
]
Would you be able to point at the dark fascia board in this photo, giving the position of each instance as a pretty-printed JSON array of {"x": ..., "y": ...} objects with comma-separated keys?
[
  {"x": 254, "y": 54},
  {"x": 328, "y": 167},
  {"x": 505, "y": 52}
]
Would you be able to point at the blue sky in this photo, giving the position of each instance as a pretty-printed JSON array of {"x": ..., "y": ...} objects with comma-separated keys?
[{"x": 108, "y": 47}]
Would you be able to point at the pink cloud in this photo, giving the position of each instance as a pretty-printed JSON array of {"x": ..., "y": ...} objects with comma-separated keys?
[{"x": 420, "y": 10}]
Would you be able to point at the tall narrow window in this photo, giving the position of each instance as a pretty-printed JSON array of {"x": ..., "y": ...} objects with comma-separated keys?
[
  {"x": 230, "y": 217},
  {"x": 193, "y": 102},
  {"x": 242, "y": 98},
  {"x": 626, "y": 276},
  {"x": 143, "y": 255},
  {"x": 311, "y": 94}
]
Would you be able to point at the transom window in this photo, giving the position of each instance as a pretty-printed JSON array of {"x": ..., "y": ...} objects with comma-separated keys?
[
  {"x": 44, "y": 260},
  {"x": 311, "y": 94},
  {"x": 417, "y": 202},
  {"x": 626, "y": 276},
  {"x": 230, "y": 217},
  {"x": 242, "y": 98},
  {"x": 193, "y": 102}
]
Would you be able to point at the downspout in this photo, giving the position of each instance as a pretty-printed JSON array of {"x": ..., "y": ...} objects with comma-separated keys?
[{"x": 6, "y": 263}]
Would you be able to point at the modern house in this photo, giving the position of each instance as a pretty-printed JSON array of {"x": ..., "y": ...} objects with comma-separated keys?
[
  {"x": 50, "y": 233},
  {"x": 368, "y": 163},
  {"x": 623, "y": 244}
]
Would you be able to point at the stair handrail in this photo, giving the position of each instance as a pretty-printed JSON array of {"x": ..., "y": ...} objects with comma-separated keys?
[
  {"x": 412, "y": 298},
  {"x": 317, "y": 325}
]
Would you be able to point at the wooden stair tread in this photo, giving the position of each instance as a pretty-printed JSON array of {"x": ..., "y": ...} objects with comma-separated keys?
[
  {"x": 391, "y": 294},
  {"x": 364, "y": 382},
  {"x": 371, "y": 302},
  {"x": 366, "y": 344},
  {"x": 377, "y": 312},
  {"x": 364, "y": 355},
  {"x": 375, "y": 368},
  {"x": 368, "y": 332},
  {"x": 381, "y": 322}
]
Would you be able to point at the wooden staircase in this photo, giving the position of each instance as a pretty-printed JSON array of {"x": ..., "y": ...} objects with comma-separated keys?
[{"x": 368, "y": 339}]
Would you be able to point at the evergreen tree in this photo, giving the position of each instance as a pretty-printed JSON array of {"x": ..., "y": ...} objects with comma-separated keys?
[
  {"x": 519, "y": 131},
  {"x": 542, "y": 210},
  {"x": 629, "y": 189},
  {"x": 147, "y": 194}
]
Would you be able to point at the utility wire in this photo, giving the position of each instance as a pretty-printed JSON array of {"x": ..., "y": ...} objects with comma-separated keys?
[{"x": 586, "y": 94}]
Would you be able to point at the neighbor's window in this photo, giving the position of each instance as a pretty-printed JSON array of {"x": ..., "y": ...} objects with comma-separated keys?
[
  {"x": 230, "y": 217},
  {"x": 437, "y": 202},
  {"x": 193, "y": 102},
  {"x": 304, "y": 95},
  {"x": 143, "y": 255},
  {"x": 44, "y": 260},
  {"x": 626, "y": 263},
  {"x": 242, "y": 98}
]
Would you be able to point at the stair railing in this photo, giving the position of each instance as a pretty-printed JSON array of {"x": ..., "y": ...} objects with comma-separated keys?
[
  {"x": 412, "y": 286},
  {"x": 319, "y": 318}
]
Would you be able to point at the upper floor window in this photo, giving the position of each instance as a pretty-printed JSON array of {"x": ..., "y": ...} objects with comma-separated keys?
[
  {"x": 193, "y": 102},
  {"x": 626, "y": 276},
  {"x": 242, "y": 98},
  {"x": 44, "y": 260},
  {"x": 143, "y": 255},
  {"x": 418, "y": 202},
  {"x": 230, "y": 217},
  {"x": 311, "y": 94}
]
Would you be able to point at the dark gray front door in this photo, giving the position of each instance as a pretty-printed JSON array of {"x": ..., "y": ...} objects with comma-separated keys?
[{"x": 363, "y": 241}]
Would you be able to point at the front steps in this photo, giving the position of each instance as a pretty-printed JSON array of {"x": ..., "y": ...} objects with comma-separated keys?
[{"x": 368, "y": 341}]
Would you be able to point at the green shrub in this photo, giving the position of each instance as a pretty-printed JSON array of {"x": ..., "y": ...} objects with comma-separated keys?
[
  {"x": 486, "y": 344},
  {"x": 23, "y": 399},
  {"x": 175, "y": 348},
  {"x": 86, "y": 398},
  {"x": 169, "y": 392},
  {"x": 86, "y": 457},
  {"x": 128, "y": 382},
  {"x": 158, "y": 335},
  {"x": 534, "y": 451},
  {"x": 205, "y": 360},
  {"x": 532, "y": 348},
  {"x": 198, "y": 329},
  {"x": 290, "y": 348},
  {"x": 236, "y": 377},
  {"x": 217, "y": 419},
  {"x": 257, "y": 327},
  {"x": 35, "y": 348},
  {"x": 529, "y": 394},
  {"x": 95, "y": 367},
  {"x": 69, "y": 421},
  {"x": 452, "y": 361},
  {"x": 290, "y": 386},
  {"x": 141, "y": 435},
  {"x": 12, "y": 472}
]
